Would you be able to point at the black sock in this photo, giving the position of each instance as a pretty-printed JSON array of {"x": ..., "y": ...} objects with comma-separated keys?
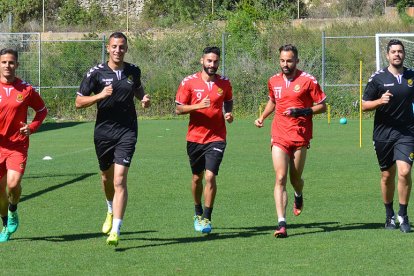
[
  {"x": 207, "y": 212},
  {"x": 12, "y": 207},
  {"x": 198, "y": 210},
  {"x": 282, "y": 223},
  {"x": 299, "y": 200},
  {"x": 4, "y": 219},
  {"x": 389, "y": 211},
  {"x": 403, "y": 210}
]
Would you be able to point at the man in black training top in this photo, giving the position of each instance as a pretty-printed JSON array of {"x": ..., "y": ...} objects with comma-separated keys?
[
  {"x": 114, "y": 85},
  {"x": 390, "y": 92}
]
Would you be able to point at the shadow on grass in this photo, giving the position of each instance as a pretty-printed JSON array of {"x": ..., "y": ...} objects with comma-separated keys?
[
  {"x": 52, "y": 188},
  {"x": 75, "y": 237},
  {"x": 52, "y": 125},
  {"x": 247, "y": 232},
  {"x": 228, "y": 233}
]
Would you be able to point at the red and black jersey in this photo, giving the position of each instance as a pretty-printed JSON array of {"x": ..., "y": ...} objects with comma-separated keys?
[
  {"x": 398, "y": 113},
  {"x": 15, "y": 99},
  {"x": 208, "y": 124},
  {"x": 116, "y": 114}
]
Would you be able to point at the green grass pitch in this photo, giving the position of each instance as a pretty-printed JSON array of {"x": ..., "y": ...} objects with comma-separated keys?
[{"x": 339, "y": 232}]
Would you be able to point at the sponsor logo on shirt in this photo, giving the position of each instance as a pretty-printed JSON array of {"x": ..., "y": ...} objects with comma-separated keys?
[
  {"x": 19, "y": 98},
  {"x": 388, "y": 84},
  {"x": 220, "y": 92},
  {"x": 410, "y": 82},
  {"x": 296, "y": 89},
  {"x": 107, "y": 81}
]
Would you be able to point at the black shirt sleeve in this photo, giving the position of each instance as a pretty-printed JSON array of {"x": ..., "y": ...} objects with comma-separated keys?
[{"x": 89, "y": 84}]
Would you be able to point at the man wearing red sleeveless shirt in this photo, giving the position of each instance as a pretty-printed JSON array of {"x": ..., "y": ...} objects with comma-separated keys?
[
  {"x": 16, "y": 96},
  {"x": 203, "y": 96},
  {"x": 294, "y": 96}
]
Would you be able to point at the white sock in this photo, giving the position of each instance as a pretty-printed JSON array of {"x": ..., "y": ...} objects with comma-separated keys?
[
  {"x": 109, "y": 203},
  {"x": 281, "y": 219},
  {"x": 116, "y": 225}
]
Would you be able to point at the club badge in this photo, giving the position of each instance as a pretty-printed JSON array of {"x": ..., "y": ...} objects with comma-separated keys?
[
  {"x": 220, "y": 91},
  {"x": 410, "y": 82},
  {"x": 296, "y": 89},
  {"x": 130, "y": 79},
  {"x": 19, "y": 98}
]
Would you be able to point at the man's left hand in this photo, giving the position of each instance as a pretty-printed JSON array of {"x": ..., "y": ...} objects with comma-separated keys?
[
  {"x": 146, "y": 101},
  {"x": 25, "y": 130},
  {"x": 228, "y": 117}
]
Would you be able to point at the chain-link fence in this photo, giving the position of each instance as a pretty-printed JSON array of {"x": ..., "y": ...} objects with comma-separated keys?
[
  {"x": 342, "y": 57},
  {"x": 56, "y": 68},
  {"x": 29, "y": 48}
]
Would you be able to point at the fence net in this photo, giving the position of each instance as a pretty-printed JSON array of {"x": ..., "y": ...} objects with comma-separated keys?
[{"x": 56, "y": 68}]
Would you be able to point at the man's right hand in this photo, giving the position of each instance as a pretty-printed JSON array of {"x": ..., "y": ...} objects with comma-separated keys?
[
  {"x": 258, "y": 123},
  {"x": 205, "y": 102},
  {"x": 386, "y": 97},
  {"x": 106, "y": 92}
]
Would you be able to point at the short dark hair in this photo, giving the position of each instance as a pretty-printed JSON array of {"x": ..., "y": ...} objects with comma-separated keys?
[
  {"x": 394, "y": 42},
  {"x": 214, "y": 50},
  {"x": 11, "y": 51},
  {"x": 118, "y": 35},
  {"x": 289, "y": 47}
]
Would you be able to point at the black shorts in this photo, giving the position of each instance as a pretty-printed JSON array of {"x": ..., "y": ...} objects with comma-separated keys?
[
  {"x": 390, "y": 151},
  {"x": 115, "y": 151},
  {"x": 205, "y": 156}
]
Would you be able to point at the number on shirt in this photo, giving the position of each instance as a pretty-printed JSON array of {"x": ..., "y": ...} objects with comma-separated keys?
[{"x": 198, "y": 95}]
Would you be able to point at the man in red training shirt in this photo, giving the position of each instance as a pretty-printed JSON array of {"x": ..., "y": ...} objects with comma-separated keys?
[
  {"x": 294, "y": 95},
  {"x": 204, "y": 95},
  {"x": 16, "y": 96}
]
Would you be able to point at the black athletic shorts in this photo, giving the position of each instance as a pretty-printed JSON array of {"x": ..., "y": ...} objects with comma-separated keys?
[
  {"x": 205, "y": 156},
  {"x": 388, "y": 152},
  {"x": 115, "y": 151}
]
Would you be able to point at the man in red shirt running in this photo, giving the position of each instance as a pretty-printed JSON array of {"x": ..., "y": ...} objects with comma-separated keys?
[
  {"x": 294, "y": 96},
  {"x": 16, "y": 96},
  {"x": 203, "y": 96}
]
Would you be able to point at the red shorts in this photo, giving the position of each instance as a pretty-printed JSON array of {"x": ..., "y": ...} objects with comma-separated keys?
[
  {"x": 290, "y": 146},
  {"x": 12, "y": 159}
]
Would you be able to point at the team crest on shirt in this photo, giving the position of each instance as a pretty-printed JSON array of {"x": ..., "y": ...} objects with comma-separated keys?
[
  {"x": 411, "y": 156},
  {"x": 220, "y": 91},
  {"x": 130, "y": 79},
  {"x": 19, "y": 98},
  {"x": 296, "y": 88},
  {"x": 410, "y": 82}
]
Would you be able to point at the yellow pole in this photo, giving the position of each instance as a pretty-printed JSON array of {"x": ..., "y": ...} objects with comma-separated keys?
[
  {"x": 360, "y": 103},
  {"x": 329, "y": 114}
]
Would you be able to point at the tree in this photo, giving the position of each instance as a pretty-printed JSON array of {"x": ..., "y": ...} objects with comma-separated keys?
[{"x": 22, "y": 11}]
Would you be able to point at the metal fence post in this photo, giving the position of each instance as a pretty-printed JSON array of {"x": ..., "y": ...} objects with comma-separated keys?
[
  {"x": 103, "y": 49},
  {"x": 223, "y": 54},
  {"x": 40, "y": 62},
  {"x": 323, "y": 62}
]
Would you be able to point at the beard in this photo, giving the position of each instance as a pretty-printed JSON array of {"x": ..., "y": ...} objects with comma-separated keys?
[
  {"x": 210, "y": 71},
  {"x": 287, "y": 70}
]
